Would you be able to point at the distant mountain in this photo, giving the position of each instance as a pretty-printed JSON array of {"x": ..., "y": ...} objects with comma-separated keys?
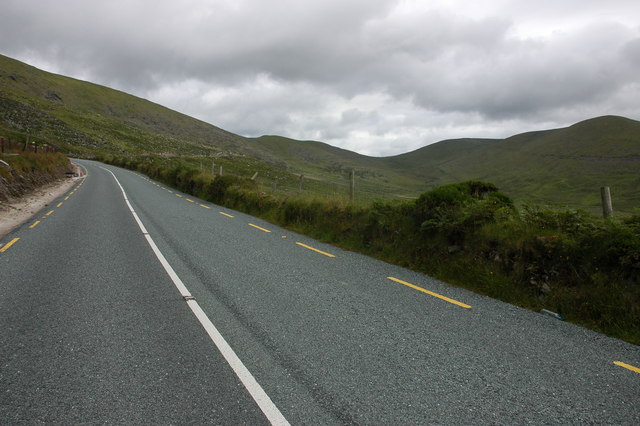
[
  {"x": 561, "y": 166},
  {"x": 429, "y": 163}
]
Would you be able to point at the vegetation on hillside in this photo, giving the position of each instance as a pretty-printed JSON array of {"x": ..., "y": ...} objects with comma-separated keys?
[
  {"x": 560, "y": 167},
  {"x": 82, "y": 118},
  {"x": 585, "y": 268}
]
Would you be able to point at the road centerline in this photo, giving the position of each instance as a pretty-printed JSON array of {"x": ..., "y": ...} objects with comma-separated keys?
[
  {"x": 315, "y": 249},
  {"x": 431, "y": 293},
  {"x": 258, "y": 227},
  {"x": 627, "y": 366},
  {"x": 8, "y": 245}
]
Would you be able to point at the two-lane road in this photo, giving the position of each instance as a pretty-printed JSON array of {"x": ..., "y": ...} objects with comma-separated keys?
[{"x": 95, "y": 328}]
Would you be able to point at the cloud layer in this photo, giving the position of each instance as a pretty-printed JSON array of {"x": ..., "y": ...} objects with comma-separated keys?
[{"x": 378, "y": 77}]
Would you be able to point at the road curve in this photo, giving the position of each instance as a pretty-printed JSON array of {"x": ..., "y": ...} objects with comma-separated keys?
[{"x": 94, "y": 329}]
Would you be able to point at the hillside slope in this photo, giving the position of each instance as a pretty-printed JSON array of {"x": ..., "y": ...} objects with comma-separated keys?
[
  {"x": 82, "y": 116},
  {"x": 563, "y": 167},
  {"x": 83, "y": 119},
  {"x": 428, "y": 163}
]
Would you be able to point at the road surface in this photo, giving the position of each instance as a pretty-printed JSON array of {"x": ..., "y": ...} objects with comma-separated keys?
[{"x": 125, "y": 301}]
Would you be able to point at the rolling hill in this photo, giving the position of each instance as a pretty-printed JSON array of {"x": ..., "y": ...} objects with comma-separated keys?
[
  {"x": 84, "y": 117},
  {"x": 563, "y": 167}
]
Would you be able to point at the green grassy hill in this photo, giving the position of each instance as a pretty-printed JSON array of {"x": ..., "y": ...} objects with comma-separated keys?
[
  {"x": 319, "y": 161},
  {"x": 429, "y": 163},
  {"x": 84, "y": 117},
  {"x": 564, "y": 167}
]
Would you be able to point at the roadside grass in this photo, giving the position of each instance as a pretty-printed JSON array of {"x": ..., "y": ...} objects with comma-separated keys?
[
  {"x": 273, "y": 180},
  {"x": 468, "y": 234}
]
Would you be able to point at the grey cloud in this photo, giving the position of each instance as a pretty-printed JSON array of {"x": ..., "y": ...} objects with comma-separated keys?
[
  {"x": 298, "y": 68},
  {"x": 524, "y": 77},
  {"x": 630, "y": 53}
]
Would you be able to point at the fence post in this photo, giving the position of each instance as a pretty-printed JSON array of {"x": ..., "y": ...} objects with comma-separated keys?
[
  {"x": 300, "y": 184},
  {"x": 213, "y": 168},
  {"x": 220, "y": 170},
  {"x": 607, "y": 208}
]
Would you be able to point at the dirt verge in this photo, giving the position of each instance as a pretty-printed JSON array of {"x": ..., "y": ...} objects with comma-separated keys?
[{"x": 17, "y": 211}]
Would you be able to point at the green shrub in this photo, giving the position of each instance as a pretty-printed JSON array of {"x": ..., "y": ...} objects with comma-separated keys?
[{"x": 456, "y": 210}]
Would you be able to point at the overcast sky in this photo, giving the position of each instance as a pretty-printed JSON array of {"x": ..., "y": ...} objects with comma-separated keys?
[{"x": 374, "y": 76}]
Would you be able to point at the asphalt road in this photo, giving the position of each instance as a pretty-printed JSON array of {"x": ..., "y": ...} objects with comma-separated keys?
[{"x": 94, "y": 329}]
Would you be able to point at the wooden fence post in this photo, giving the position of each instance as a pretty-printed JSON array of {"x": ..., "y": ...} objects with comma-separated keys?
[{"x": 607, "y": 208}]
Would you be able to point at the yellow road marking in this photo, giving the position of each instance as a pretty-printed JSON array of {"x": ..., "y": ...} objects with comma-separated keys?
[
  {"x": 224, "y": 214},
  {"x": 206, "y": 207},
  {"x": 66, "y": 198},
  {"x": 59, "y": 204},
  {"x": 257, "y": 227},
  {"x": 34, "y": 224},
  {"x": 191, "y": 201},
  {"x": 50, "y": 211},
  {"x": 71, "y": 193},
  {"x": 178, "y": 195},
  {"x": 431, "y": 293},
  {"x": 627, "y": 366},
  {"x": 315, "y": 249},
  {"x": 9, "y": 244}
]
